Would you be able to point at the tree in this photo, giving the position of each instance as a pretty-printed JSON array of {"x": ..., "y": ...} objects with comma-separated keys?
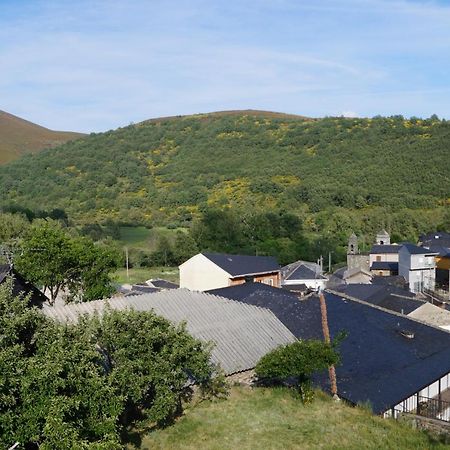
[
  {"x": 184, "y": 247},
  {"x": 55, "y": 260},
  {"x": 53, "y": 391},
  {"x": 81, "y": 385},
  {"x": 300, "y": 360}
]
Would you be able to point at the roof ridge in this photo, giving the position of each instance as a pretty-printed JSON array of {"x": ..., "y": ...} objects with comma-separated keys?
[{"x": 395, "y": 313}]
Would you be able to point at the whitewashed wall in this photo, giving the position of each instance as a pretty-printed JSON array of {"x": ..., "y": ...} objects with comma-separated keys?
[{"x": 200, "y": 274}]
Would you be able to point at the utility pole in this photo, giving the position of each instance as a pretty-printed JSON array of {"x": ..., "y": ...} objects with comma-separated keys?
[
  {"x": 126, "y": 258},
  {"x": 326, "y": 337},
  {"x": 329, "y": 262}
]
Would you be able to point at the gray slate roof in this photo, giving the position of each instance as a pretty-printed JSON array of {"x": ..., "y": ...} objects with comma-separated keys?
[
  {"x": 240, "y": 265},
  {"x": 242, "y": 333},
  {"x": 380, "y": 249},
  {"x": 416, "y": 250}
]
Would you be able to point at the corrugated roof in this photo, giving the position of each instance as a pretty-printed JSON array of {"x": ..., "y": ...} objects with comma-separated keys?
[
  {"x": 241, "y": 265},
  {"x": 433, "y": 315},
  {"x": 242, "y": 333}
]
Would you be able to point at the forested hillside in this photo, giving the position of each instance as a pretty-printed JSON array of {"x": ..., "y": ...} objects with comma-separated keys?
[
  {"x": 18, "y": 137},
  {"x": 335, "y": 173}
]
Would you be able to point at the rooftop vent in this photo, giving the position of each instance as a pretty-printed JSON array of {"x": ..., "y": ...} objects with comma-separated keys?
[{"x": 407, "y": 334}]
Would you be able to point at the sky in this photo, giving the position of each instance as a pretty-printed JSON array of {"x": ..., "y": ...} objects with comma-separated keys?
[{"x": 95, "y": 65}]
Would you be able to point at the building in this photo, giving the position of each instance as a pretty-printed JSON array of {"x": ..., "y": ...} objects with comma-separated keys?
[
  {"x": 417, "y": 265},
  {"x": 383, "y": 259},
  {"x": 356, "y": 259},
  {"x": 303, "y": 273},
  {"x": 242, "y": 334},
  {"x": 387, "y": 359},
  {"x": 206, "y": 271},
  {"x": 386, "y": 296},
  {"x": 21, "y": 286}
]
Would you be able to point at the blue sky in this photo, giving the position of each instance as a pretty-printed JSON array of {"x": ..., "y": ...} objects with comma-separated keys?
[{"x": 94, "y": 65}]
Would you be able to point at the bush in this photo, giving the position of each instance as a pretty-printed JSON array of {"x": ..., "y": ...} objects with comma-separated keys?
[{"x": 297, "y": 361}]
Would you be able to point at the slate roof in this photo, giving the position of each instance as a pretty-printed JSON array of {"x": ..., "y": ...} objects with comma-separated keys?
[
  {"x": 439, "y": 238},
  {"x": 287, "y": 271},
  {"x": 440, "y": 250},
  {"x": 303, "y": 272},
  {"x": 386, "y": 296},
  {"x": 143, "y": 289},
  {"x": 416, "y": 250},
  {"x": 21, "y": 286},
  {"x": 380, "y": 249},
  {"x": 162, "y": 284},
  {"x": 296, "y": 287},
  {"x": 385, "y": 265},
  {"x": 281, "y": 302},
  {"x": 241, "y": 265},
  {"x": 242, "y": 334},
  {"x": 378, "y": 364},
  {"x": 394, "y": 280}
]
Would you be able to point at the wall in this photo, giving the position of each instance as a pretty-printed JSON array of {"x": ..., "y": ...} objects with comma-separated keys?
[
  {"x": 312, "y": 284},
  {"x": 272, "y": 279},
  {"x": 384, "y": 257},
  {"x": 200, "y": 274},
  {"x": 359, "y": 261}
]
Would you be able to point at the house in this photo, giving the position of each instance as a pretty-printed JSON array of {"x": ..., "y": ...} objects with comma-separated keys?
[
  {"x": 355, "y": 258},
  {"x": 21, "y": 286},
  {"x": 303, "y": 273},
  {"x": 433, "y": 315},
  {"x": 388, "y": 359},
  {"x": 438, "y": 238},
  {"x": 417, "y": 265},
  {"x": 347, "y": 275},
  {"x": 206, "y": 271},
  {"x": 383, "y": 295},
  {"x": 439, "y": 242},
  {"x": 383, "y": 259},
  {"x": 242, "y": 334}
]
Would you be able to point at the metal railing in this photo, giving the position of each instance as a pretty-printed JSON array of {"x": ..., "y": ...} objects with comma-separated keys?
[
  {"x": 433, "y": 408},
  {"x": 439, "y": 296}
]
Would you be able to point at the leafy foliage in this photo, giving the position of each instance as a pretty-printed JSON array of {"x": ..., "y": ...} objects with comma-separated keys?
[
  {"x": 52, "y": 258},
  {"x": 165, "y": 171},
  {"x": 81, "y": 385},
  {"x": 298, "y": 360}
]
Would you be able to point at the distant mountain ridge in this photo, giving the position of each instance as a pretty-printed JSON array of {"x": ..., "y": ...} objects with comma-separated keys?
[
  {"x": 341, "y": 173},
  {"x": 19, "y": 136}
]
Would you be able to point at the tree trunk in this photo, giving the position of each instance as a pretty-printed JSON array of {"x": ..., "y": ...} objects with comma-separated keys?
[{"x": 326, "y": 337}]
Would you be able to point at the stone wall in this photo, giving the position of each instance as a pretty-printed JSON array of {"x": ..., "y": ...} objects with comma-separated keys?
[{"x": 433, "y": 426}]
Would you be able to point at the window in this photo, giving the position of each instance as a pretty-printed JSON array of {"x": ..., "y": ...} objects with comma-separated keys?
[
  {"x": 268, "y": 281},
  {"x": 378, "y": 258}
]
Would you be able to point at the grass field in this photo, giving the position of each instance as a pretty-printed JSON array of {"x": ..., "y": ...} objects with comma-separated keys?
[
  {"x": 275, "y": 419},
  {"x": 139, "y": 275},
  {"x": 143, "y": 238}
]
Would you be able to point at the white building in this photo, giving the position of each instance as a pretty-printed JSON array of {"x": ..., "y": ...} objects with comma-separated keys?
[
  {"x": 303, "y": 272},
  {"x": 418, "y": 266},
  {"x": 206, "y": 271}
]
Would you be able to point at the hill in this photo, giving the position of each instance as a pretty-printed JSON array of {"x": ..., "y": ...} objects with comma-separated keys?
[
  {"x": 338, "y": 174},
  {"x": 269, "y": 419},
  {"x": 18, "y": 136}
]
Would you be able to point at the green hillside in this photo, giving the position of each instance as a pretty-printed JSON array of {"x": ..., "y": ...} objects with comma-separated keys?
[
  {"x": 18, "y": 137},
  {"x": 356, "y": 172},
  {"x": 274, "y": 419}
]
